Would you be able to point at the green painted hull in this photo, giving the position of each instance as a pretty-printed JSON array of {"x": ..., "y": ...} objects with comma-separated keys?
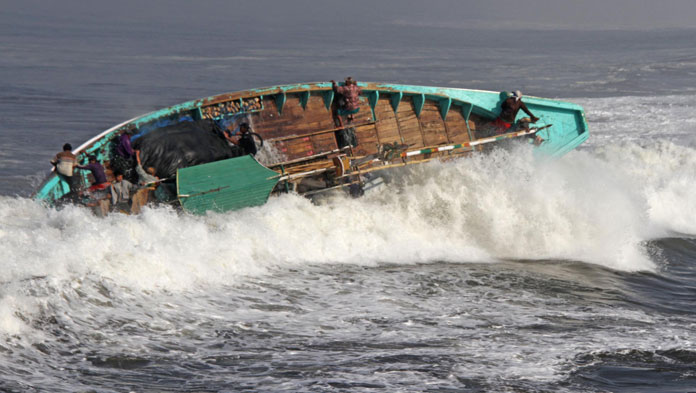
[{"x": 225, "y": 185}]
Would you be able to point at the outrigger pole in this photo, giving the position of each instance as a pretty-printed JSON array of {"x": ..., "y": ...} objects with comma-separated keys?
[
  {"x": 474, "y": 143},
  {"x": 412, "y": 153},
  {"x": 423, "y": 151}
]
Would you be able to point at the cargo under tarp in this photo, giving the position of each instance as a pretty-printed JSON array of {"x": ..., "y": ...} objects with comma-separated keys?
[
  {"x": 183, "y": 145},
  {"x": 225, "y": 185}
]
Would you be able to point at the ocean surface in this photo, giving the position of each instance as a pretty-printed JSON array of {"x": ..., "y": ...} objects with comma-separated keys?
[{"x": 498, "y": 273}]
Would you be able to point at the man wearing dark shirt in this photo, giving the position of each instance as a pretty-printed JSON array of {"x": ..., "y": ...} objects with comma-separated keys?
[
  {"x": 244, "y": 139},
  {"x": 97, "y": 172},
  {"x": 124, "y": 158},
  {"x": 124, "y": 148}
]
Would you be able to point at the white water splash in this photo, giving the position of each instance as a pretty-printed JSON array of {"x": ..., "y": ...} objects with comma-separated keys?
[{"x": 593, "y": 207}]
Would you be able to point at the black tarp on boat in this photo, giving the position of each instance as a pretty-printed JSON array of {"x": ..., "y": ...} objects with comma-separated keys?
[{"x": 183, "y": 145}]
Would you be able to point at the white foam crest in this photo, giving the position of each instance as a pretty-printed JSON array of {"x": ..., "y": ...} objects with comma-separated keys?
[
  {"x": 665, "y": 173},
  {"x": 10, "y": 323},
  {"x": 512, "y": 206},
  {"x": 597, "y": 207},
  {"x": 498, "y": 206}
]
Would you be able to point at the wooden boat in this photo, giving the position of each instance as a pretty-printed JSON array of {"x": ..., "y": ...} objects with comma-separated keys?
[{"x": 302, "y": 144}]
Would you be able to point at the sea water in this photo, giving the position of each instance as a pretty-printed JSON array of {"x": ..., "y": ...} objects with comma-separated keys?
[{"x": 500, "y": 272}]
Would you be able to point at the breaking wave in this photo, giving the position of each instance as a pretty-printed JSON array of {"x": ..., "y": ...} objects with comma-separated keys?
[{"x": 598, "y": 207}]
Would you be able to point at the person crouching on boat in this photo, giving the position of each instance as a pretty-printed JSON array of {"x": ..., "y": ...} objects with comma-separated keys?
[
  {"x": 509, "y": 109},
  {"x": 244, "y": 139},
  {"x": 98, "y": 174},
  {"x": 349, "y": 102},
  {"x": 120, "y": 192},
  {"x": 64, "y": 163}
]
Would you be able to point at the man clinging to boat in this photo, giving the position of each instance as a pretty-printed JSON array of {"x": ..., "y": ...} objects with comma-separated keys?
[
  {"x": 349, "y": 104},
  {"x": 98, "y": 173},
  {"x": 244, "y": 139},
  {"x": 508, "y": 113},
  {"x": 146, "y": 177}
]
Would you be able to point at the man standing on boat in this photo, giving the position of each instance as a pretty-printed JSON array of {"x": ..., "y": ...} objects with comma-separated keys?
[
  {"x": 348, "y": 105},
  {"x": 65, "y": 163}
]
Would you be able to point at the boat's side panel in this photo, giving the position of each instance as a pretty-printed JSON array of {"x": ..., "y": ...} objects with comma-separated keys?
[
  {"x": 368, "y": 140},
  {"x": 297, "y": 129},
  {"x": 387, "y": 125},
  {"x": 457, "y": 128},
  {"x": 569, "y": 128},
  {"x": 410, "y": 126},
  {"x": 569, "y": 124},
  {"x": 434, "y": 131}
]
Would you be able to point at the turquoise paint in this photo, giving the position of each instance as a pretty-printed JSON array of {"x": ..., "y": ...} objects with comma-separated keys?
[
  {"x": 418, "y": 102},
  {"x": 372, "y": 98},
  {"x": 395, "y": 100},
  {"x": 466, "y": 112},
  {"x": 328, "y": 98},
  {"x": 445, "y": 105},
  {"x": 304, "y": 98},
  {"x": 569, "y": 124},
  {"x": 280, "y": 99}
]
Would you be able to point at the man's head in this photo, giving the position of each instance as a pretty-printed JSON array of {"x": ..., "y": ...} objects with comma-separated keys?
[
  {"x": 67, "y": 147},
  {"x": 92, "y": 158},
  {"x": 118, "y": 176},
  {"x": 244, "y": 127},
  {"x": 517, "y": 94},
  {"x": 349, "y": 81}
]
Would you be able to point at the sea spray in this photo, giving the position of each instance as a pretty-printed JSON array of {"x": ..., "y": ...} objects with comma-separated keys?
[
  {"x": 643, "y": 120},
  {"x": 593, "y": 207}
]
